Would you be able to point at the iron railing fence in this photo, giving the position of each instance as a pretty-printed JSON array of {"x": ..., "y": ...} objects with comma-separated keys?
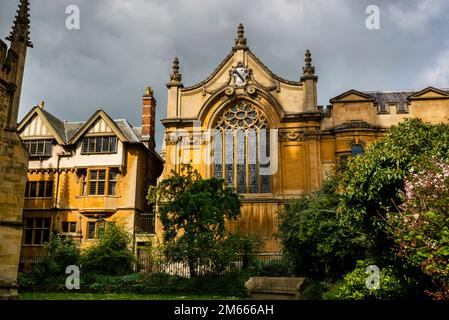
[{"x": 148, "y": 264}]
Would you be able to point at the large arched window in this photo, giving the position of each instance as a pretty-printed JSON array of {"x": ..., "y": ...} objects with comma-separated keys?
[{"x": 242, "y": 149}]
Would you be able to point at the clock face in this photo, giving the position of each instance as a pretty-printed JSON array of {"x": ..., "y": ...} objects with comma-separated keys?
[{"x": 240, "y": 75}]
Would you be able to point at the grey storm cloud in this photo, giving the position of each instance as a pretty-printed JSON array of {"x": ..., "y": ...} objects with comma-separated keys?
[{"x": 125, "y": 45}]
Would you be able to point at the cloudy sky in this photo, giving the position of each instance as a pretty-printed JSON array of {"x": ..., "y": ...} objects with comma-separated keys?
[{"x": 125, "y": 45}]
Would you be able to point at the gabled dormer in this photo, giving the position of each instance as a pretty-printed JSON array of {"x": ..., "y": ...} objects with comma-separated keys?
[
  {"x": 429, "y": 93},
  {"x": 40, "y": 131},
  {"x": 352, "y": 96},
  {"x": 99, "y": 135}
]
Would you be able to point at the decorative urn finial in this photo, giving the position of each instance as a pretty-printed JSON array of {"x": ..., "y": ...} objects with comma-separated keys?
[
  {"x": 175, "y": 76},
  {"x": 308, "y": 69},
  {"x": 240, "y": 41}
]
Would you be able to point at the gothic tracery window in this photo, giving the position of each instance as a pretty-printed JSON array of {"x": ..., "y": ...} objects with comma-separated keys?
[{"x": 242, "y": 149}]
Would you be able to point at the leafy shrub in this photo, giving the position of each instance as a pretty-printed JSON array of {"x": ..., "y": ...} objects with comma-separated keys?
[
  {"x": 111, "y": 255},
  {"x": 231, "y": 284},
  {"x": 249, "y": 247},
  {"x": 60, "y": 252},
  {"x": 393, "y": 284},
  {"x": 313, "y": 237},
  {"x": 313, "y": 289},
  {"x": 275, "y": 268}
]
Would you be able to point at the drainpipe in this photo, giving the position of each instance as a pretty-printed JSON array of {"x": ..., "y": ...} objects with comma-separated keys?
[{"x": 55, "y": 205}]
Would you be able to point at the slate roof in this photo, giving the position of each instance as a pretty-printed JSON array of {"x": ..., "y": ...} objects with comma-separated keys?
[
  {"x": 127, "y": 130},
  {"x": 57, "y": 124},
  {"x": 382, "y": 98},
  {"x": 71, "y": 128},
  {"x": 399, "y": 97},
  {"x": 66, "y": 129}
]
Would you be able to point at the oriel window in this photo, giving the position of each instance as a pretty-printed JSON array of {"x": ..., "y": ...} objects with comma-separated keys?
[
  {"x": 99, "y": 182},
  {"x": 39, "y": 189},
  {"x": 112, "y": 182}
]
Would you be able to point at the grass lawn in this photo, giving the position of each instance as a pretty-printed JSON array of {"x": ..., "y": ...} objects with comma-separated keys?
[{"x": 118, "y": 296}]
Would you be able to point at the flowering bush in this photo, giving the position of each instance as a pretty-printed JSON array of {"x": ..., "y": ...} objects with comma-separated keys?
[
  {"x": 373, "y": 183},
  {"x": 421, "y": 228}
]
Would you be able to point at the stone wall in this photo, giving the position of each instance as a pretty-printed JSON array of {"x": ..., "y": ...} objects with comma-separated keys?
[{"x": 13, "y": 168}]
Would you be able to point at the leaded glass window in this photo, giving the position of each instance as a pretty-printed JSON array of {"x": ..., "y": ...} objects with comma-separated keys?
[
  {"x": 242, "y": 149},
  {"x": 356, "y": 149}
]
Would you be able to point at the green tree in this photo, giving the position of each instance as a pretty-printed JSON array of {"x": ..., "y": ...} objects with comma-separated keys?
[
  {"x": 314, "y": 239},
  {"x": 111, "y": 255},
  {"x": 193, "y": 213},
  {"x": 372, "y": 184}
]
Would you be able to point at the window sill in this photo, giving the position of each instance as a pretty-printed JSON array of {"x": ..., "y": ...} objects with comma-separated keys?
[
  {"x": 98, "y": 153},
  {"x": 96, "y": 197},
  {"x": 32, "y": 245},
  {"x": 45, "y": 198}
]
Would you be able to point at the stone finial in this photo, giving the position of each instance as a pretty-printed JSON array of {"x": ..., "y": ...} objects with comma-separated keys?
[
  {"x": 148, "y": 91},
  {"x": 240, "y": 41},
  {"x": 20, "y": 29},
  {"x": 175, "y": 77},
  {"x": 308, "y": 69},
  {"x": 41, "y": 104}
]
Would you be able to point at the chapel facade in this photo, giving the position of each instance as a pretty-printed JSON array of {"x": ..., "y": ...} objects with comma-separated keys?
[{"x": 268, "y": 138}]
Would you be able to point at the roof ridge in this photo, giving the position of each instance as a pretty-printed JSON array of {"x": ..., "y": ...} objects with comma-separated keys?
[{"x": 390, "y": 91}]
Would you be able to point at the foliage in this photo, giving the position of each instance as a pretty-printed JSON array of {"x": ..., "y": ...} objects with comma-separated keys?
[
  {"x": 274, "y": 268},
  {"x": 313, "y": 237},
  {"x": 421, "y": 230},
  {"x": 60, "y": 253},
  {"x": 193, "y": 213},
  {"x": 373, "y": 183},
  {"x": 230, "y": 284},
  {"x": 111, "y": 255},
  {"x": 117, "y": 296},
  {"x": 249, "y": 247},
  {"x": 314, "y": 290},
  {"x": 393, "y": 284}
]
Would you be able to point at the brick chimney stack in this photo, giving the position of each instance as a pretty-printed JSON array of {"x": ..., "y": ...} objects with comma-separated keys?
[{"x": 148, "y": 118}]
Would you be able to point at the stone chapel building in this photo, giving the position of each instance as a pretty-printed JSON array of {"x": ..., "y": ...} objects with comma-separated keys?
[{"x": 268, "y": 138}]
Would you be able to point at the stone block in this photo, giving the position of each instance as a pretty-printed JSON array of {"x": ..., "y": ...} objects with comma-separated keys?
[{"x": 274, "y": 288}]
